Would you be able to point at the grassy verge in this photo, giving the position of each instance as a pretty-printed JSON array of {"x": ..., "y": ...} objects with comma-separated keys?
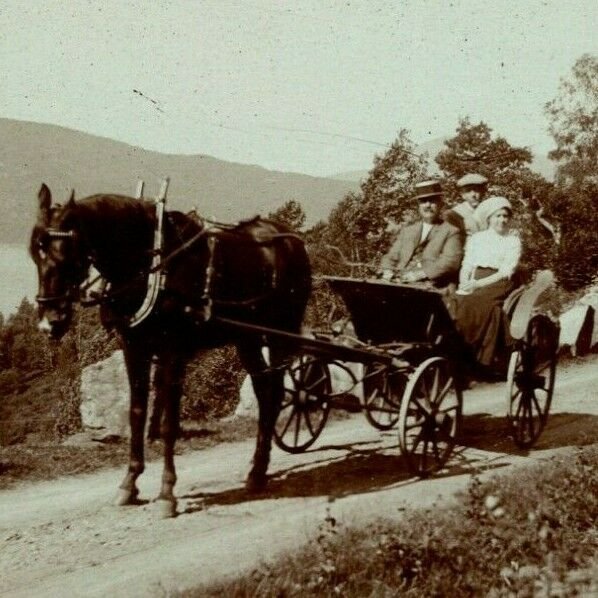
[
  {"x": 35, "y": 461},
  {"x": 532, "y": 533}
]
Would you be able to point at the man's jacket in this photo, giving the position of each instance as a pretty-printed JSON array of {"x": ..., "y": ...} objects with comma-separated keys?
[{"x": 439, "y": 255}]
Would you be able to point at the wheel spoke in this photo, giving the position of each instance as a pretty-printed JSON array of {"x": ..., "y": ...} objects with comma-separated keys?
[
  {"x": 417, "y": 424},
  {"x": 320, "y": 380},
  {"x": 288, "y": 423},
  {"x": 435, "y": 385},
  {"x": 297, "y": 427},
  {"x": 445, "y": 390},
  {"x": 308, "y": 422},
  {"x": 425, "y": 408}
]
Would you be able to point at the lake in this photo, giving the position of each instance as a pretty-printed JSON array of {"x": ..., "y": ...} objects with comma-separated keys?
[{"x": 18, "y": 276}]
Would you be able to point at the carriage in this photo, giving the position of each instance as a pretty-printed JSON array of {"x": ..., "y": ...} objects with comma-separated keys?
[
  {"x": 189, "y": 284},
  {"x": 406, "y": 344}
]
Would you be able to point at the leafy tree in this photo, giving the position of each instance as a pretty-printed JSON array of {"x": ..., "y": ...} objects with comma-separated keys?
[
  {"x": 291, "y": 213},
  {"x": 362, "y": 224},
  {"x": 573, "y": 118},
  {"x": 573, "y": 123},
  {"x": 475, "y": 149}
]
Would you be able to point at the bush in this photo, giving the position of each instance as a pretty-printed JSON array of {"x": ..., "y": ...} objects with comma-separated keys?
[
  {"x": 530, "y": 533},
  {"x": 212, "y": 384}
]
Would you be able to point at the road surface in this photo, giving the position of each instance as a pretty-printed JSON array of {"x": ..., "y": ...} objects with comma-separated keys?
[{"x": 64, "y": 537}]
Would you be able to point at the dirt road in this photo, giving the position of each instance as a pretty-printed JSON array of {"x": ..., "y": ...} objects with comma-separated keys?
[{"x": 63, "y": 538}]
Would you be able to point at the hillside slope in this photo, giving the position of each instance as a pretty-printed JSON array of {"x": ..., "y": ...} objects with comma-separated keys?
[{"x": 32, "y": 153}]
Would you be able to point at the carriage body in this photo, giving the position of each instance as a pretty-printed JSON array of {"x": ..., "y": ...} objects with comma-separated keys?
[{"x": 412, "y": 370}]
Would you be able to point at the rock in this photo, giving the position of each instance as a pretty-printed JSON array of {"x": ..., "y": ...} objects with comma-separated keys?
[
  {"x": 579, "y": 324},
  {"x": 578, "y": 328},
  {"x": 341, "y": 381},
  {"x": 105, "y": 397}
]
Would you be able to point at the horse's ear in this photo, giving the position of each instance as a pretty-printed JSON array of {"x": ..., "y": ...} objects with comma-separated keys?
[
  {"x": 44, "y": 196},
  {"x": 71, "y": 201}
]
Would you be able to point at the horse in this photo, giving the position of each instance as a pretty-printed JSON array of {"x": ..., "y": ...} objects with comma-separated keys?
[{"x": 256, "y": 272}]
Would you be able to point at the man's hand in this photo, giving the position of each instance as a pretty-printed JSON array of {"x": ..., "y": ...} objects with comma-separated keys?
[{"x": 413, "y": 276}]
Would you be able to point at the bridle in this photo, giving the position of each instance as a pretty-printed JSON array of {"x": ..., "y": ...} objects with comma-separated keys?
[{"x": 71, "y": 294}]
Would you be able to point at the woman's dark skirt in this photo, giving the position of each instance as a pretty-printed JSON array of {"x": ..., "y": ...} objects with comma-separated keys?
[{"x": 480, "y": 319}]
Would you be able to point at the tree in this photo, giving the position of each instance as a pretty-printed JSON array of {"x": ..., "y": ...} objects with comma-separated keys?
[
  {"x": 475, "y": 149},
  {"x": 361, "y": 225},
  {"x": 573, "y": 123},
  {"x": 291, "y": 213}
]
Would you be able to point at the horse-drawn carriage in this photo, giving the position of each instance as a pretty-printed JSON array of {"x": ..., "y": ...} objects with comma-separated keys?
[
  {"x": 174, "y": 284},
  {"x": 406, "y": 342}
]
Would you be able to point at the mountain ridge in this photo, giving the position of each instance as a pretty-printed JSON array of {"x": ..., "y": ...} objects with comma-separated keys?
[{"x": 67, "y": 159}]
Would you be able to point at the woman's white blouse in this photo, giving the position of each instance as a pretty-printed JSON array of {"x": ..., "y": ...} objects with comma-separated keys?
[{"x": 488, "y": 249}]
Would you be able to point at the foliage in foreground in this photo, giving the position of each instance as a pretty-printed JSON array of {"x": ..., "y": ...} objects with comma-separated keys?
[{"x": 531, "y": 533}]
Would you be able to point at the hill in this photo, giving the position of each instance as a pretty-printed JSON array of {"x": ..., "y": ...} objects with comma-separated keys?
[{"x": 32, "y": 153}]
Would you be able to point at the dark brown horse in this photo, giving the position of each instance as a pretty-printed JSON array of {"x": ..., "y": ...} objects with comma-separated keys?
[{"x": 257, "y": 272}]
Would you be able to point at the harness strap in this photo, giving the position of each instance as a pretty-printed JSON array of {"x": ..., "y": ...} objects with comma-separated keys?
[{"x": 155, "y": 279}]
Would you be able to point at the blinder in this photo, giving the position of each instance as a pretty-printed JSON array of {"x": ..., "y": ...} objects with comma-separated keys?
[{"x": 72, "y": 294}]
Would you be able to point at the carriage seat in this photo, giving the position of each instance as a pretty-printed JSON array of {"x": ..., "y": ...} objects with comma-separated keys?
[{"x": 510, "y": 302}]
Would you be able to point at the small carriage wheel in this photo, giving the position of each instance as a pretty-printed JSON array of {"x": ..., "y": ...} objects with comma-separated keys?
[
  {"x": 305, "y": 406},
  {"x": 430, "y": 416},
  {"x": 383, "y": 388},
  {"x": 530, "y": 381}
]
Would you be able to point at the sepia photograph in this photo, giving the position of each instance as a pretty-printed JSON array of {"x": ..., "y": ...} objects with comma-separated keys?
[{"x": 299, "y": 298}]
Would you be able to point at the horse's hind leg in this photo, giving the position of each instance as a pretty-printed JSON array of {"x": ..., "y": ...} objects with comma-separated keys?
[
  {"x": 138, "y": 362},
  {"x": 169, "y": 376},
  {"x": 269, "y": 390}
]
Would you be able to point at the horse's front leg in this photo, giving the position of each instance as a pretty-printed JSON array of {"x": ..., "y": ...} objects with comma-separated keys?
[
  {"x": 138, "y": 363},
  {"x": 269, "y": 391},
  {"x": 169, "y": 377}
]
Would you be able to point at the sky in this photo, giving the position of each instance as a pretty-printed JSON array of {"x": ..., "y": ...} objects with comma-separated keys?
[{"x": 313, "y": 86}]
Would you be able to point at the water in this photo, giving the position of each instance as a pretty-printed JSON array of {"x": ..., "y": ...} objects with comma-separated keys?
[{"x": 18, "y": 277}]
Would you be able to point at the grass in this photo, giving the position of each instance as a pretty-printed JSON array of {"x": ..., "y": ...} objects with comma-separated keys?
[
  {"x": 39, "y": 460},
  {"x": 531, "y": 533}
]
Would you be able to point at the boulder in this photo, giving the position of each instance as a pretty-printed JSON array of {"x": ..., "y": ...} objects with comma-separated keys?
[
  {"x": 341, "y": 381},
  {"x": 105, "y": 397},
  {"x": 579, "y": 324}
]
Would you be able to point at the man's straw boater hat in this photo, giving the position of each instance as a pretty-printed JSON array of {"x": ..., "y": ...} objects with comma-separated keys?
[{"x": 428, "y": 190}]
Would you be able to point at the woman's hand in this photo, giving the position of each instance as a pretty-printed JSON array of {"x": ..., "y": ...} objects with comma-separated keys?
[{"x": 469, "y": 285}]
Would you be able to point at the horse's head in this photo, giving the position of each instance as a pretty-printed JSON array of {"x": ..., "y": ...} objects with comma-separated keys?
[{"x": 62, "y": 264}]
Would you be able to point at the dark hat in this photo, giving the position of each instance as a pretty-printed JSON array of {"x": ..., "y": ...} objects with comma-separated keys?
[
  {"x": 427, "y": 189},
  {"x": 472, "y": 179}
]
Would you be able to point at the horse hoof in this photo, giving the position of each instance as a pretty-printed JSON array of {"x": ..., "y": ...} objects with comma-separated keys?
[
  {"x": 126, "y": 497},
  {"x": 167, "y": 508},
  {"x": 256, "y": 483}
]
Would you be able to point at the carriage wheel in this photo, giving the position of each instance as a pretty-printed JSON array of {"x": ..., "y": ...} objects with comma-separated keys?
[
  {"x": 382, "y": 392},
  {"x": 530, "y": 381},
  {"x": 430, "y": 416},
  {"x": 305, "y": 406}
]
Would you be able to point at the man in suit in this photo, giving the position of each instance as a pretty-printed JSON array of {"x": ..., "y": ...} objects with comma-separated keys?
[{"x": 427, "y": 251}]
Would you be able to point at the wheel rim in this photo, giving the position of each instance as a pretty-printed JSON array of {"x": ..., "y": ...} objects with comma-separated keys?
[
  {"x": 430, "y": 416},
  {"x": 382, "y": 392},
  {"x": 530, "y": 382},
  {"x": 305, "y": 407}
]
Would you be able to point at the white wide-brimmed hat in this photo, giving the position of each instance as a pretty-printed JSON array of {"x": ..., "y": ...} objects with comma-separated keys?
[{"x": 489, "y": 206}]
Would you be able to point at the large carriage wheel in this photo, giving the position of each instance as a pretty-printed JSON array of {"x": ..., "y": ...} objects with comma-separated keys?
[
  {"x": 430, "y": 416},
  {"x": 383, "y": 388},
  {"x": 530, "y": 381},
  {"x": 305, "y": 406}
]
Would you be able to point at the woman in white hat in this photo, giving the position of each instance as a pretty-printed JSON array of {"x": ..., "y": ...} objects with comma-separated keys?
[{"x": 491, "y": 258}]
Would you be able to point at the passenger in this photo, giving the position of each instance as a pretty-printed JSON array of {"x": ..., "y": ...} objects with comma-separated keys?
[
  {"x": 491, "y": 257},
  {"x": 429, "y": 251},
  {"x": 473, "y": 188}
]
